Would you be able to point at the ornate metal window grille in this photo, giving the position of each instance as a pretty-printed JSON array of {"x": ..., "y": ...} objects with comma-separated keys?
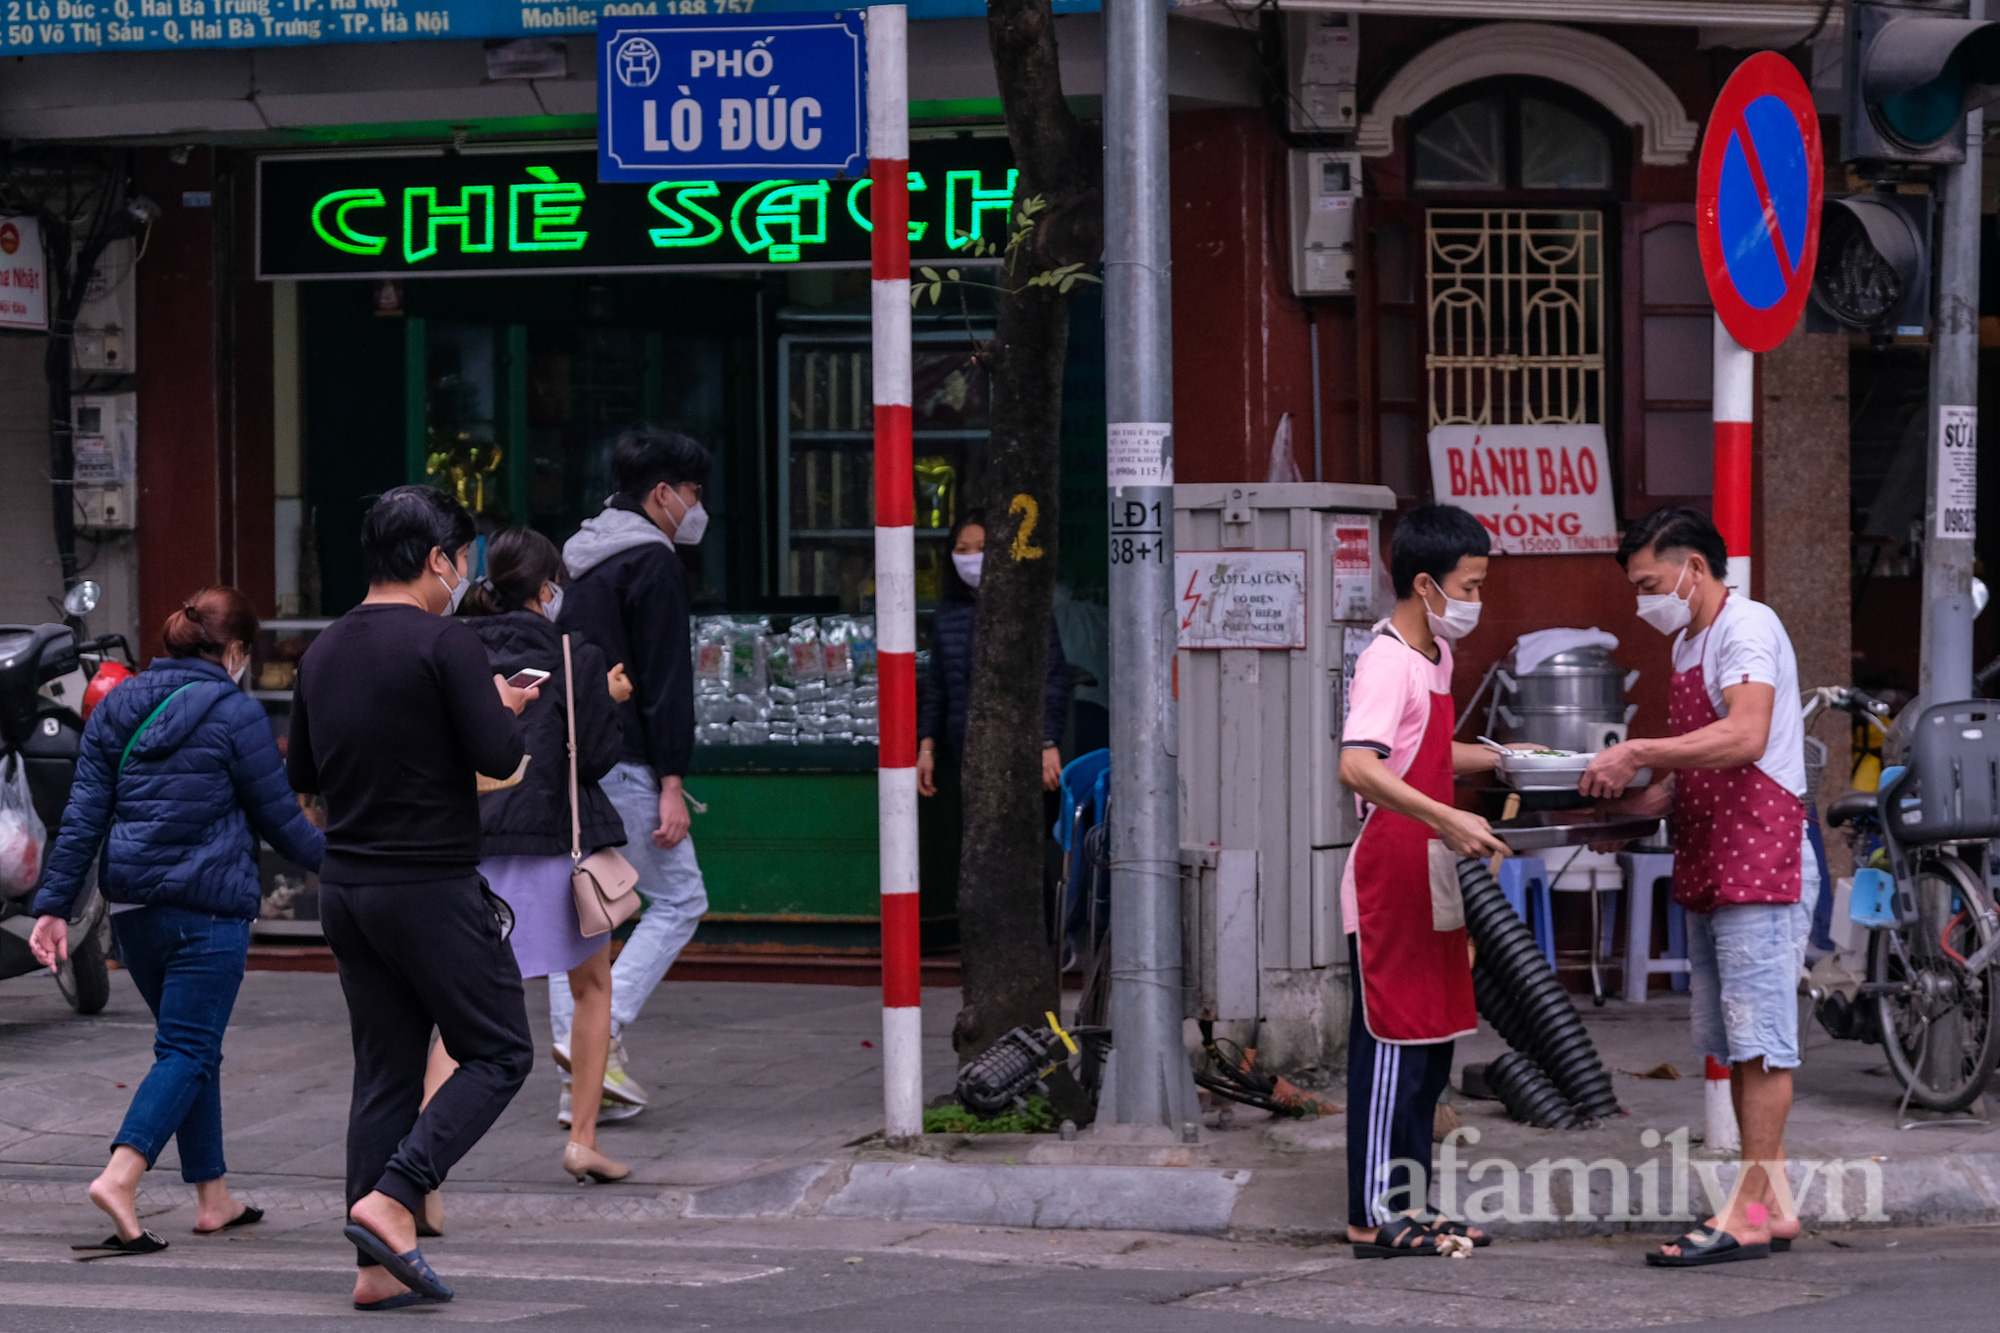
[{"x": 1516, "y": 306}]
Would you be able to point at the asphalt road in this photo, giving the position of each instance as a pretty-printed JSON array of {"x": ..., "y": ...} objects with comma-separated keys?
[{"x": 831, "y": 1277}]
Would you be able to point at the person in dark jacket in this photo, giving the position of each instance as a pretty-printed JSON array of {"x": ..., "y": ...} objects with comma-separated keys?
[
  {"x": 177, "y": 778},
  {"x": 628, "y": 594},
  {"x": 525, "y": 830},
  {"x": 948, "y": 684},
  {"x": 395, "y": 712}
]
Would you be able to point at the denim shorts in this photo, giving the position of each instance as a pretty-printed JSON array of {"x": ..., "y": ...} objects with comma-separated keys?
[{"x": 1743, "y": 989}]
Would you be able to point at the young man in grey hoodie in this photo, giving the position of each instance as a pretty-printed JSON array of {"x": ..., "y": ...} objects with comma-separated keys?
[{"x": 628, "y": 594}]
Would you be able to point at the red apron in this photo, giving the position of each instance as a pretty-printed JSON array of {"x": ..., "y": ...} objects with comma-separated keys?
[
  {"x": 1736, "y": 832},
  {"x": 1416, "y": 980}
]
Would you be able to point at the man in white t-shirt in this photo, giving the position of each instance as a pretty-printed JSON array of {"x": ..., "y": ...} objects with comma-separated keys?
[{"x": 1733, "y": 775}]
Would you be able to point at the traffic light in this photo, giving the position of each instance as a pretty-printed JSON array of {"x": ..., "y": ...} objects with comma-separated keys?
[
  {"x": 1914, "y": 67},
  {"x": 1873, "y": 274}
]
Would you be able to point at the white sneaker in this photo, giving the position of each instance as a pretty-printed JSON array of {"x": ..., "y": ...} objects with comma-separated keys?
[
  {"x": 619, "y": 1086},
  {"x": 606, "y": 1111}
]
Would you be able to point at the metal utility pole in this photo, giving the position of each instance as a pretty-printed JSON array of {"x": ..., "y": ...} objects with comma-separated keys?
[
  {"x": 1148, "y": 1082},
  {"x": 1951, "y": 468}
]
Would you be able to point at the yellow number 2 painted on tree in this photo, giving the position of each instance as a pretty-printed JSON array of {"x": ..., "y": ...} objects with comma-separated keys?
[{"x": 1030, "y": 513}]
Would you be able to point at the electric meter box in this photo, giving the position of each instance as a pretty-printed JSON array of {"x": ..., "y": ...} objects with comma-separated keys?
[
  {"x": 1325, "y": 190},
  {"x": 104, "y": 432},
  {"x": 1323, "y": 51},
  {"x": 103, "y": 342},
  {"x": 1295, "y": 569}
]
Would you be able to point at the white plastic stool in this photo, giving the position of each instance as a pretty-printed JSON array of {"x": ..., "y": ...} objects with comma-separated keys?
[{"x": 1643, "y": 870}]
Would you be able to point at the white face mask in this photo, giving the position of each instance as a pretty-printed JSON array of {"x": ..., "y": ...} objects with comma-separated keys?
[
  {"x": 692, "y": 523},
  {"x": 455, "y": 595},
  {"x": 1459, "y": 618},
  {"x": 968, "y": 564},
  {"x": 1668, "y": 612},
  {"x": 552, "y": 603}
]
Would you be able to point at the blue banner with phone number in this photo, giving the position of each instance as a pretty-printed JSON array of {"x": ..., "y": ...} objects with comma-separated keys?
[{"x": 62, "y": 27}]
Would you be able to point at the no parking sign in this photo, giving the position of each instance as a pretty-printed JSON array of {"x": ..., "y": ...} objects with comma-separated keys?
[{"x": 1757, "y": 200}]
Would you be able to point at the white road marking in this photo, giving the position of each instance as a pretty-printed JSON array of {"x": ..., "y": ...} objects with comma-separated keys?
[
  {"x": 256, "y": 1304},
  {"x": 285, "y": 1257}
]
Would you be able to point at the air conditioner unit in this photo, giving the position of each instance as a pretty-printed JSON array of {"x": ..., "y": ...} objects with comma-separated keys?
[
  {"x": 105, "y": 341},
  {"x": 1324, "y": 57},
  {"x": 1324, "y": 186}
]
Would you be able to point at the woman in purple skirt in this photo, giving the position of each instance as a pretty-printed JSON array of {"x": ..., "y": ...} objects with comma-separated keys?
[{"x": 525, "y": 829}]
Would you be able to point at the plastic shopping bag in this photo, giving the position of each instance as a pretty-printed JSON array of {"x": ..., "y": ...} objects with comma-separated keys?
[{"x": 23, "y": 836}]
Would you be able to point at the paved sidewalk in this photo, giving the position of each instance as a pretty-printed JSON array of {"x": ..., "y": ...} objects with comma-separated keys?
[{"x": 767, "y": 1104}]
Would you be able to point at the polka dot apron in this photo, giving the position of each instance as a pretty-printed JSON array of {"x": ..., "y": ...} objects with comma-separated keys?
[{"x": 1736, "y": 832}]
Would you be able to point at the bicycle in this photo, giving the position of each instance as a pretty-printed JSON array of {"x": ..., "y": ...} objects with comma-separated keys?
[{"x": 1925, "y": 890}]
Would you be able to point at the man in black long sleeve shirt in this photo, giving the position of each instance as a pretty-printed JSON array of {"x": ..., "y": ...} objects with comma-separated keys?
[
  {"x": 628, "y": 594},
  {"x": 395, "y": 711}
]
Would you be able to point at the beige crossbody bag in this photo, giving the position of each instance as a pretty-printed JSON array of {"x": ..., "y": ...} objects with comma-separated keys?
[{"x": 604, "y": 883}]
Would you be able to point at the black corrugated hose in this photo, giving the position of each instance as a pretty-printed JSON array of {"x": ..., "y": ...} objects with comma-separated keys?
[{"x": 1518, "y": 993}]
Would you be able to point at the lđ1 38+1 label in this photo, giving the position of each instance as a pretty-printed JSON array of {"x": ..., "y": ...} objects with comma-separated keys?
[{"x": 1137, "y": 536}]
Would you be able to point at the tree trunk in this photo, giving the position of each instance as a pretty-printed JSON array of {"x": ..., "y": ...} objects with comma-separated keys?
[{"x": 1009, "y": 961}]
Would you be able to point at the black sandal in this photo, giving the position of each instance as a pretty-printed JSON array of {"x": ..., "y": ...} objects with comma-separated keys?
[
  {"x": 249, "y": 1217},
  {"x": 1440, "y": 1225},
  {"x": 1403, "y": 1238},
  {"x": 145, "y": 1242},
  {"x": 1702, "y": 1247}
]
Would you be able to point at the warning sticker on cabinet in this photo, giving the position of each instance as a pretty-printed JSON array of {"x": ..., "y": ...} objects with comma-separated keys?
[{"x": 1241, "y": 599}]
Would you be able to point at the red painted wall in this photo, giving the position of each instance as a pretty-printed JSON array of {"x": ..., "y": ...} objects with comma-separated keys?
[{"x": 204, "y": 384}]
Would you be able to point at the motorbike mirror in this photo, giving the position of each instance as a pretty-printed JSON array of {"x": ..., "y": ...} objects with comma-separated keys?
[{"x": 81, "y": 600}]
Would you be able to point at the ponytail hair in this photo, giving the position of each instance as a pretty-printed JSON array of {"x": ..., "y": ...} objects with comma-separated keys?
[
  {"x": 210, "y": 621},
  {"x": 519, "y": 562}
]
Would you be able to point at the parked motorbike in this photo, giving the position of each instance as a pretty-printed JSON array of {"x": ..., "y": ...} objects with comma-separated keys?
[{"x": 49, "y": 677}]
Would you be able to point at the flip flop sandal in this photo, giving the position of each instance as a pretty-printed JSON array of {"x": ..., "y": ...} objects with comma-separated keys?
[
  {"x": 1781, "y": 1245},
  {"x": 145, "y": 1242},
  {"x": 1701, "y": 1248},
  {"x": 408, "y": 1268},
  {"x": 249, "y": 1217},
  {"x": 1404, "y": 1238},
  {"x": 401, "y": 1301},
  {"x": 1440, "y": 1225}
]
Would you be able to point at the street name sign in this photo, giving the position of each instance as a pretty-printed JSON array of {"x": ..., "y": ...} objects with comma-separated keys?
[
  {"x": 732, "y": 97},
  {"x": 1757, "y": 200}
]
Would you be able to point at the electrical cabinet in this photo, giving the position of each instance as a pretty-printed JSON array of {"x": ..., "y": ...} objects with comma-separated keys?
[
  {"x": 1324, "y": 51},
  {"x": 1265, "y": 822},
  {"x": 104, "y": 430},
  {"x": 104, "y": 342},
  {"x": 1324, "y": 188}
]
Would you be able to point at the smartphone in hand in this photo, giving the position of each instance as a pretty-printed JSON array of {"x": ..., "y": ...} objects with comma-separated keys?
[{"x": 527, "y": 678}]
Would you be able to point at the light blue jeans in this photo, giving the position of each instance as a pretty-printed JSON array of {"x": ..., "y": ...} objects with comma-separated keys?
[
  {"x": 670, "y": 882},
  {"x": 1743, "y": 986}
]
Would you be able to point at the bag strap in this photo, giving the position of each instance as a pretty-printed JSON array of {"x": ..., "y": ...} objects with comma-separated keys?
[
  {"x": 151, "y": 718},
  {"x": 569, "y": 712}
]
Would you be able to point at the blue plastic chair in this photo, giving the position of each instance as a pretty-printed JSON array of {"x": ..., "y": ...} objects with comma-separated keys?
[
  {"x": 1083, "y": 784},
  {"x": 1521, "y": 876}
]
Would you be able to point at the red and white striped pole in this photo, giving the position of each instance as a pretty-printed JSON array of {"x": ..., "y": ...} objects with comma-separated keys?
[
  {"x": 895, "y": 569},
  {"x": 1735, "y": 417}
]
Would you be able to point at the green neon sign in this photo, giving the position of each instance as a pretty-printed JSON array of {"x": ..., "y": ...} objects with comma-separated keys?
[{"x": 543, "y": 211}]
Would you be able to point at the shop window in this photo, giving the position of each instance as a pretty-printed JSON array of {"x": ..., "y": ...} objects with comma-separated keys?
[{"x": 1515, "y": 300}]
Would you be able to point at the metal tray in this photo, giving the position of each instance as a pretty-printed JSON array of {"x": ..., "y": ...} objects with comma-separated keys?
[{"x": 1535, "y": 833}]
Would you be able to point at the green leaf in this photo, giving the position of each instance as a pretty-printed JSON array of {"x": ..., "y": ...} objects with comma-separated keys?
[
  {"x": 930, "y": 273},
  {"x": 1067, "y": 283},
  {"x": 937, "y": 292},
  {"x": 951, "y": 273}
]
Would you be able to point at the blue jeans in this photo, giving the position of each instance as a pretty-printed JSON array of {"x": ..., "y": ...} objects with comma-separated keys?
[
  {"x": 670, "y": 882},
  {"x": 188, "y": 967},
  {"x": 1743, "y": 976}
]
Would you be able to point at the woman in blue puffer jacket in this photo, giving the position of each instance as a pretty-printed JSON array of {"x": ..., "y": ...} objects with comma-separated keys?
[{"x": 178, "y": 776}]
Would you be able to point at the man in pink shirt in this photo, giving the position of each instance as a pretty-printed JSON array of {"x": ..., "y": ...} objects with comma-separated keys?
[{"x": 1399, "y": 894}]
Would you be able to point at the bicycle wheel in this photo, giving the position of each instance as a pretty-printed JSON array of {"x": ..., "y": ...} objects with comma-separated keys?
[{"x": 1937, "y": 1019}]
